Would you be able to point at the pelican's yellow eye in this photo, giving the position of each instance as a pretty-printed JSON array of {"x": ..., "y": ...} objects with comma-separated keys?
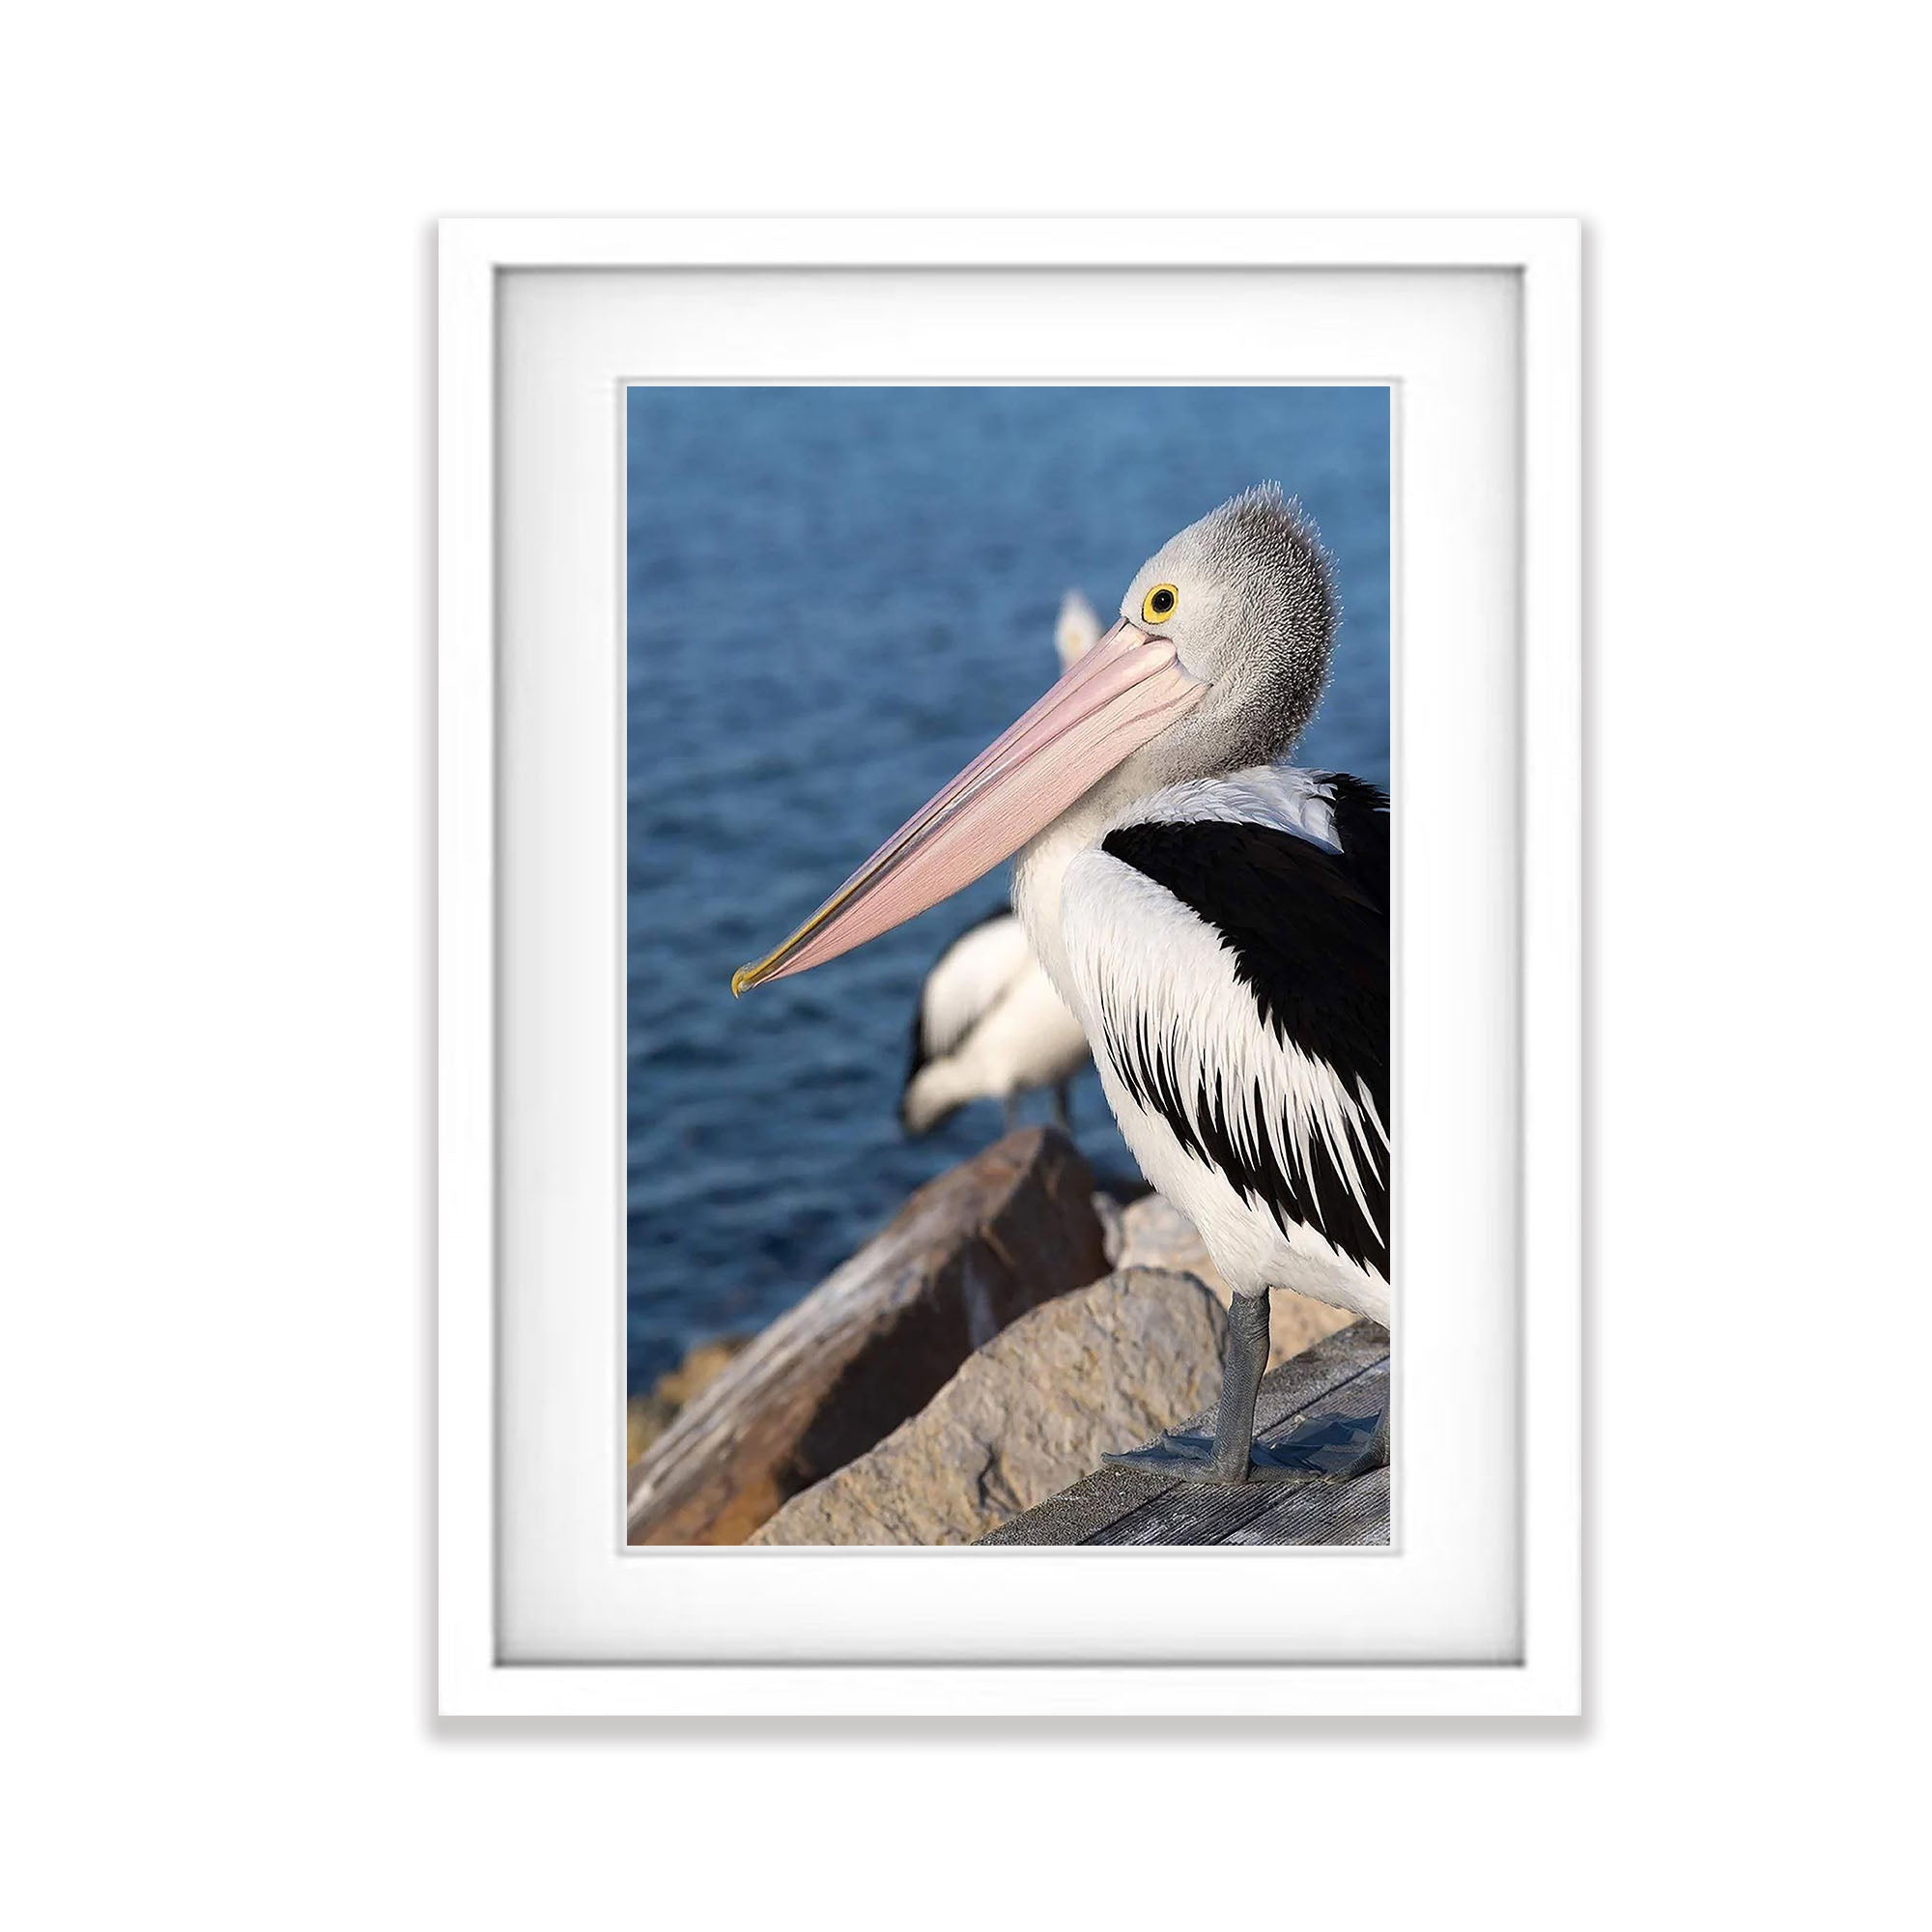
[{"x": 1159, "y": 605}]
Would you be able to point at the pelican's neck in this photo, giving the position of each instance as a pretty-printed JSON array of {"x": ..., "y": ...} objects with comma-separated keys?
[{"x": 1040, "y": 872}]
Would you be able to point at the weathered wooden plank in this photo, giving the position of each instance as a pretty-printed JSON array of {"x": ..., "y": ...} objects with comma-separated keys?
[
  {"x": 1330, "y": 1431},
  {"x": 1075, "y": 1515},
  {"x": 1340, "y": 1513},
  {"x": 1298, "y": 1389}
]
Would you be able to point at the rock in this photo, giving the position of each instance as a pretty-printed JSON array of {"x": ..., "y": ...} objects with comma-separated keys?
[
  {"x": 874, "y": 1343},
  {"x": 1103, "y": 1367},
  {"x": 1154, "y": 1232},
  {"x": 647, "y": 1416}
]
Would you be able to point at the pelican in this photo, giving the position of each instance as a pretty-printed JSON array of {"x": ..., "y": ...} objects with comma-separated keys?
[
  {"x": 990, "y": 1025},
  {"x": 1216, "y": 919}
]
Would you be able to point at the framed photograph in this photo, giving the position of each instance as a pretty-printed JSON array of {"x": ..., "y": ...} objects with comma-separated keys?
[{"x": 1010, "y": 967}]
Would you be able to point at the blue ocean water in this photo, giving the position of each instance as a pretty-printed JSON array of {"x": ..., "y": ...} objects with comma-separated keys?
[{"x": 836, "y": 597}]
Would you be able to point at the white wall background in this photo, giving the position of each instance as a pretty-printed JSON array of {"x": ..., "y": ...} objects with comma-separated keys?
[{"x": 215, "y": 446}]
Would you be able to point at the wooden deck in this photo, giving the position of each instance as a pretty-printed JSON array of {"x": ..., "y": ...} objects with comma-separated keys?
[{"x": 1328, "y": 1398}]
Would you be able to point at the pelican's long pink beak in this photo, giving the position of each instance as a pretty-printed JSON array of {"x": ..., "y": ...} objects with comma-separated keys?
[{"x": 1128, "y": 689}]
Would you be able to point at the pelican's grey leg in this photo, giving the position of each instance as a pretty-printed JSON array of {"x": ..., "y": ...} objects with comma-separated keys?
[
  {"x": 1012, "y": 1106},
  {"x": 1241, "y": 1383},
  {"x": 1229, "y": 1458},
  {"x": 1063, "y": 1109}
]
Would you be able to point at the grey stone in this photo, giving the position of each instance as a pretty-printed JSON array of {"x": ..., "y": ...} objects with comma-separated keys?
[{"x": 1103, "y": 1367}]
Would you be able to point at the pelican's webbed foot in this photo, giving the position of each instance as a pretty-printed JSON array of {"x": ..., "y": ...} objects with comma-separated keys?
[
  {"x": 1373, "y": 1454},
  {"x": 1191, "y": 1459},
  {"x": 1179, "y": 1459}
]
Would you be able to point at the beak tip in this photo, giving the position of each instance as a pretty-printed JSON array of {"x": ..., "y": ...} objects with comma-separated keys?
[{"x": 744, "y": 979}]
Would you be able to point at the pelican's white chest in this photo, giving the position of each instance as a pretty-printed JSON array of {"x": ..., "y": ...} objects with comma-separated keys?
[{"x": 1039, "y": 876}]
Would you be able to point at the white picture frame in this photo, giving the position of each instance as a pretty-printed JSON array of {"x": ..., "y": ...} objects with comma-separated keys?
[{"x": 489, "y": 1663}]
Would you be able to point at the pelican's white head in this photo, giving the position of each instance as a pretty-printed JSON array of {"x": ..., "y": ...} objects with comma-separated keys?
[
  {"x": 1247, "y": 600},
  {"x": 1217, "y": 663}
]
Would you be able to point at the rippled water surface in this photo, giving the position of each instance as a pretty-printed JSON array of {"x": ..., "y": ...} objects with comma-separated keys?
[{"x": 836, "y": 597}]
